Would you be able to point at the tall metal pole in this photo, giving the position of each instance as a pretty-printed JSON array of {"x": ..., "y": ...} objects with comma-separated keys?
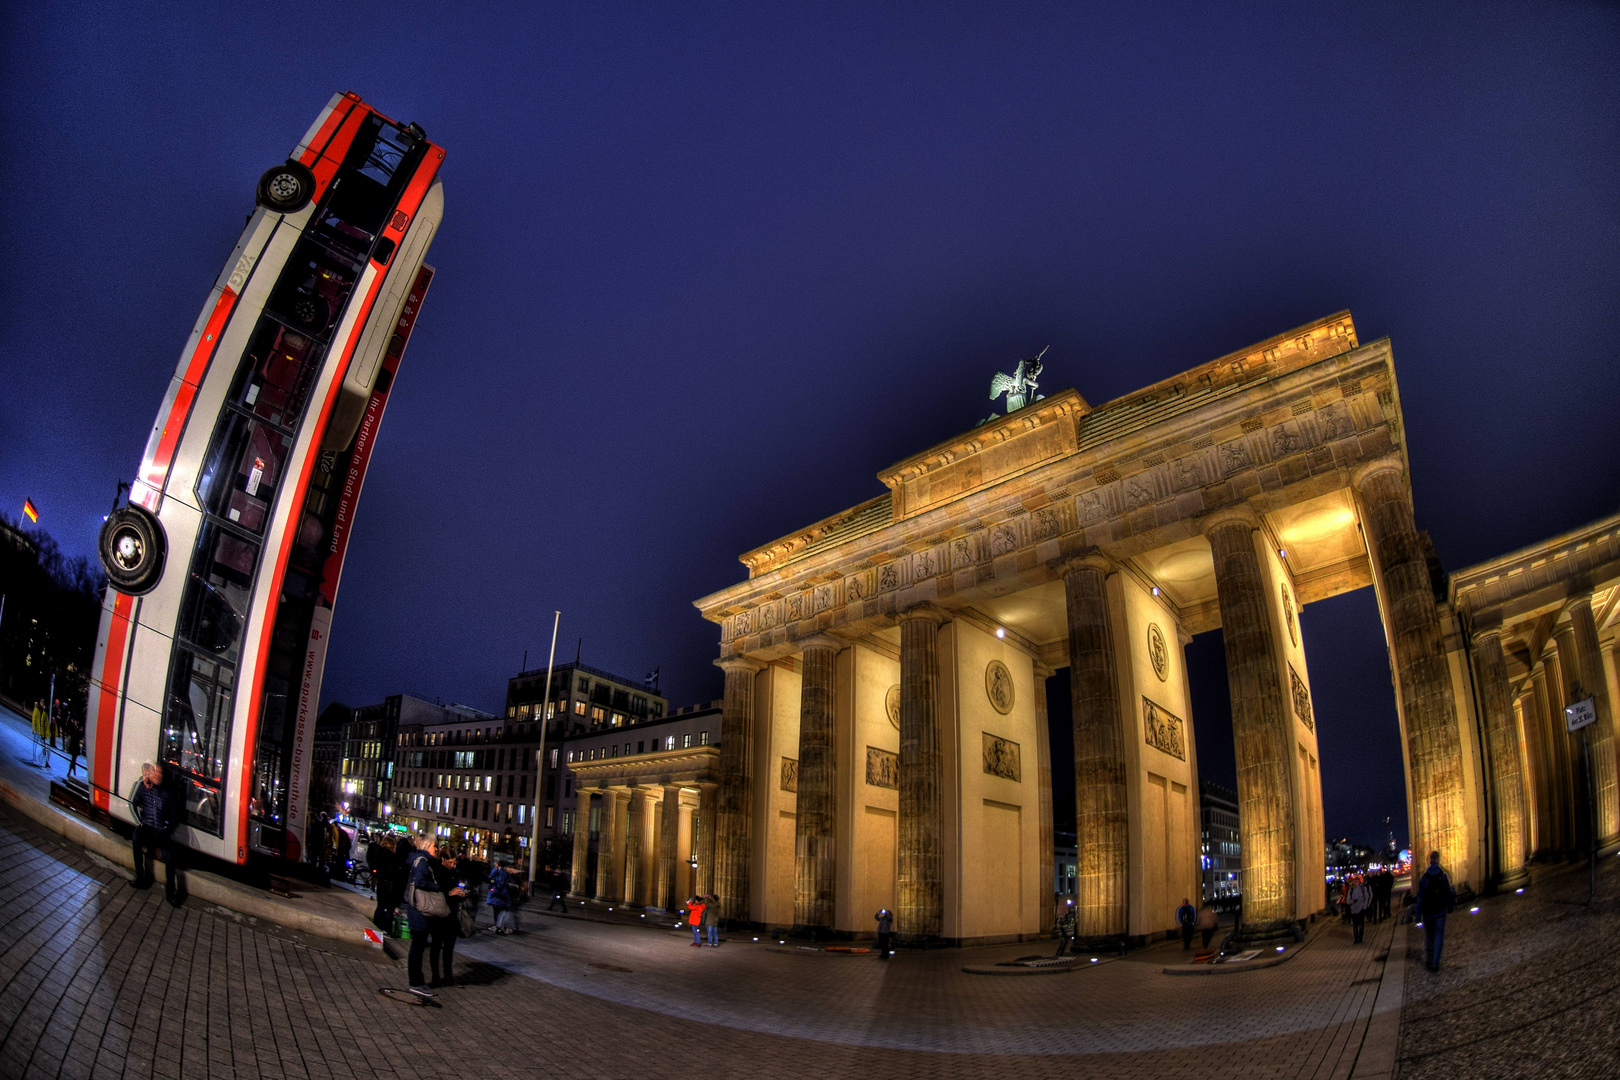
[{"x": 540, "y": 756}]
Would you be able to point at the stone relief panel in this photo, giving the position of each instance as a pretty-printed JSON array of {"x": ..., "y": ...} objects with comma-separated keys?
[
  {"x": 1234, "y": 457},
  {"x": 743, "y": 624},
  {"x": 790, "y": 774},
  {"x": 1288, "y": 613},
  {"x": 1163, "y": 730},
  {"x": 1302, "y": 698},
  {"x": 891, "y": 706},
  {"x": 882, "y": 768},
  {"x": 821, "y": 598},
  {"x": 1185, "y": 473},
  {"x": 1285, "y": 439},
  {"x": 924, "y": 565},
  {"x": 857, "y": 587},
  {"x": 795, "y": 607},
  {"x": 1045, "y": 523},
  {"x": 1158, "y": 652},
  {"x": 998, "y": 687},
  {"x": 962, "y": 552},
  {"x": 888, "y": 577},
  {"x": 1140, "y": 491},
  {"x": 767, "y": 617},
  {"x": 1003, "y": 538},
  {"x": 1002, "y": 758}
]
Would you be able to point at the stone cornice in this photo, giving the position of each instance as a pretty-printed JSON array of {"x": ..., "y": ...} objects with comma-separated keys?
[
  {"x": 1541, "y": 578},
  {"x": 689, "y": 765}
]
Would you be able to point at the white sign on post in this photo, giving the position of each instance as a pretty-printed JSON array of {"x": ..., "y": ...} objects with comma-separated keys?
[{"x": 1580, "y": 714}]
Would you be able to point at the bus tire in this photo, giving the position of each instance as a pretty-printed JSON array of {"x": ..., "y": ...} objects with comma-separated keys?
[
  {"x": 132, "y": 549},
  {"x": 286, "y": 189}
]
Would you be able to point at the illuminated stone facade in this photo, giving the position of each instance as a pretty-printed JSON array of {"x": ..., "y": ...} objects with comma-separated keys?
[{"x": 1100, "y": 539}]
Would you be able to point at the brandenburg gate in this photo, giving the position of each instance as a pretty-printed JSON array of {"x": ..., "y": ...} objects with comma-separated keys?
[{"x": 884, "y": 740}]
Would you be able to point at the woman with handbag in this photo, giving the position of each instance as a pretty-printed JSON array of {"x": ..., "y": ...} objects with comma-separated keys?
[
  {"x": 442, "y": 954},
  {"x": 427, "y": 909}
]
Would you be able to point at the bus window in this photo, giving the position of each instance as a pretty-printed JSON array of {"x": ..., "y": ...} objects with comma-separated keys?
[
  {"x": 313, "y": 289},
  {"x": 239, "y": 477},
  {"x": 197, "y": 731},
  {"x": 275, "y": 378}
]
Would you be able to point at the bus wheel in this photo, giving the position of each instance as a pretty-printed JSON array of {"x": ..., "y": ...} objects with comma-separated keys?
[
  {"x": 286, "y": 189},
  {"x": 132, "y": 549}
]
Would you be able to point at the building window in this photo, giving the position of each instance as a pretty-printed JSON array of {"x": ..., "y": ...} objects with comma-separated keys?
[
  {"x": 686, "y": 740},
  {"x": 550, "y": 811},
  {"x": 511, "y": 710},
  {"x": 641, "y": 747},
  {"x": 579, "y": 708},
  {"x": 703, "y": 738},
  {"x": 669, "y": 742},
  {"x": 553, "y": 757},
  {"x": 615, "y": 749},
  {"x": 568, "y": 822},
  {"x": 598, "y": 714},
  {"x": 618, "y": 719}
]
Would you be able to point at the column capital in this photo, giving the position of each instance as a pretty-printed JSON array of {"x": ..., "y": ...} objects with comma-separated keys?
[
  {"x": 821, "y": 641},
  {"x": 1482, "y": 634},
  {"x": 1576, "y": 602},
  {"x": 1091, "y": 559},
  {"x": 1388, "y": 463},
  {"x": 1241, "y": 514},
  {"x": 924, "y": 612},
  {"x": 738, "y": 665}
]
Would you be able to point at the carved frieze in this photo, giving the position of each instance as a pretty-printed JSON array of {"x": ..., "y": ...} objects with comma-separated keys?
[
  {"x": 882, "y": 768},
  {"x": 790, "y": 774},
  {"x": 888, "y": 577},
  {"x": 1003, "y": 538},
  {"x": 1046, "y": 523},
  {"x": 1288, "y": 613},
  {"x": 924, "y": 565},
  {"x": 962, "y": 554},
  {"x": 1163, "y": 730},
  {"x": 1235, "y": 457},
  {"x": 1002, "y": 758},
  {"x": 891, "y": 705},
  {"x": 795, "y": 607},
  {"x": 821, "y": 598},
  {"x": 1302, "y": 698}
]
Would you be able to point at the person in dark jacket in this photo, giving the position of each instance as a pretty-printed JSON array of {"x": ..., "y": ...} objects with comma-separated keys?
[
  {"x": 1383, "y": 887},
  {"x": 885, "y": 930},
  {"x": 1187, "y": 920},
  {"x": 73, "y": 739},
  {"x": 315, "y": 842},
  {"x": 381, "y": 859},
  {"x": 420, "y": 880},
  {"x": 1435, "y": 899},
  {"x": 446, "y": 928},
  {"x": 500, "y": 899},
  {"x": 153, "y": 807}
]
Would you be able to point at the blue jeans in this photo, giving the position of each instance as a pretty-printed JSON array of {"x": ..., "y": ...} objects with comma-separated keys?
[
  {"x": 697, "y": 935},
  {"x": 714, "y": 933},
  {"x": 1434, "y": 939}
]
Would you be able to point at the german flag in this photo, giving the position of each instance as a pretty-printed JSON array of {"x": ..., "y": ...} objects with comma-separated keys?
[{"x": 29, "y": 512}]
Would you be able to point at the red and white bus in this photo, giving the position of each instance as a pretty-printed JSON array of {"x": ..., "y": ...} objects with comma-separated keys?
[{"x": 224, "y": 566}]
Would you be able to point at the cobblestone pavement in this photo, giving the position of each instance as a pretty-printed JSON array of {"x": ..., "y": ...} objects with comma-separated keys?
[
  {"x": 100, "y": 980},
  {"x": 1528, "y": 986}
]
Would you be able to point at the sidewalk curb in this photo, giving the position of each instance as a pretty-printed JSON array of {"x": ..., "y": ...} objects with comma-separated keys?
[
  {"x": 1251, "y": 965},
  {"x": 204, "y": 886},
  {"x": 1376, "y": 1058}
]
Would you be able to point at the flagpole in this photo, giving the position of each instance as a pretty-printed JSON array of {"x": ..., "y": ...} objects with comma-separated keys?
[{"x": 540, "y": 755}]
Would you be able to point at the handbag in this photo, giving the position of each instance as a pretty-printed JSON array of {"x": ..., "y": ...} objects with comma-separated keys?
[
  {"x": 432, "y": 904},
  {"x": 466, "y": 924}
]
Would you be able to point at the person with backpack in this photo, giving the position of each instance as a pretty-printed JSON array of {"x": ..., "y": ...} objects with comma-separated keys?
[
  {"x": 1435, "y": 899},
  {"x": 500, "y": 900},
  {"x": 1187, "y": 919}
]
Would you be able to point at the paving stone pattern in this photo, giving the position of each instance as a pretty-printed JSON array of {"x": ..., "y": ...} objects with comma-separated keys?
[
  {"x": 1529, "y": 986},
  {"x": 100, "y": 980}
]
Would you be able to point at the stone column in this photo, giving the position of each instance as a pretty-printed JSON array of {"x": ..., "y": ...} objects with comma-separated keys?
[
  {"x": 920, "y": 909},
  {"x": 1102, "y": 809},
  {"x": 1600, "y": 736},
  {"x": 1506, "y": 767},
  {"x": 634, "y": 829},
  {"x": 1043, "y": 801},
  {"x": 610, "y": 846},
  {"x": 733, "y": 814},
  {"x": 1555, "y": 751},
  {"x": 815, "y": 843},
  {"x": 1422, "y": 676},
  {"x": 1562, "y": 692},
  {"x": 581, "y": 839},
  {"x": 1262, "y": 732},
  {"x": 706, "y": 842},
  {"x": 668, "y": 840}
]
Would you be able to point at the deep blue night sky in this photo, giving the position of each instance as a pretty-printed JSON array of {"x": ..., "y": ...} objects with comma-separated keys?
[{"x": 704, "y": 271}]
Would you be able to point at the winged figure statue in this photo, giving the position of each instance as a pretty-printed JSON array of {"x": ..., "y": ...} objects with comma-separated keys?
[{"x": 1019, "y": 387}]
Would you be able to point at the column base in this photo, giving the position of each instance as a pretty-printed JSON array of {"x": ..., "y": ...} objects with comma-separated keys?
[
  {"x": 1609, "y": 846},
  {"x": 1107, "y": 943},
  {"x": 1511, "y": 880},
  {"x": 1249, "y": 936}
]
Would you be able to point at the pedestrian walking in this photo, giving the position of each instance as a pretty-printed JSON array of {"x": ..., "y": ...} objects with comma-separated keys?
[
  {"x": 475, "y": 874},
  {"x": 1187, "y": 919},
  {"x": 1435, "y": 899},
  {"x": 425, "y": 903},
  {"x": 73, "y": 737},
  {"x": 1208, "y": 923},
  {"x": 153, "y": 806},
  {"x": 1361, "y": 898},
  {"x": 315, "y": 839},
  {"x": 711, "y": 919},
  {"x": 500, "y": 899},
  {"x": 885, "y": 931},
  {"x": 694, "y": 919},
  {"x": 1068, "y": 928},
  {"x": 1383, "y": 891},
  {"x": 557, "y": 903},
  {"x": 40, "y": 721}
]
